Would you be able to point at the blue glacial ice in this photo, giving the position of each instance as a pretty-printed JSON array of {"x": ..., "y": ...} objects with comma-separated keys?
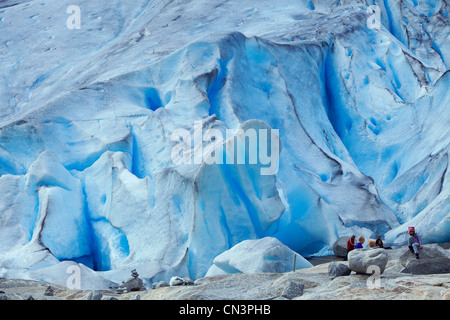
[{"x": 88, "y": 116}]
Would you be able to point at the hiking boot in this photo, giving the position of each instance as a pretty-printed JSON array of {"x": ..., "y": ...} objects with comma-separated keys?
[
  {"x": 411, "y": 249},
  {"x": 417, "y": 256}
]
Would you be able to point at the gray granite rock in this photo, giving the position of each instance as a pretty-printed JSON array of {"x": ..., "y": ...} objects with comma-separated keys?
[
  {"x": 336, "y": 269},
  {"x": 340, "y": 246},
  {"x": 433, "y": 259},
  {"x": 359, "y": 260},
  {"x": 292, "y": 289}
]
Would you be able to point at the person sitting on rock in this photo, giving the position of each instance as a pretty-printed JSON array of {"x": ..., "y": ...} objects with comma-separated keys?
[
  {"x": 372, "y": 243},
  {"x": 379, "y": 242},
  {"x": 350, "y": 246},
  {"x": 414, "y": 242},
  {"x": 361, "y": 240}
]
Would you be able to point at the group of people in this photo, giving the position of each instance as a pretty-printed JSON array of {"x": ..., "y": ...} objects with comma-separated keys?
[
  {"x": 414, "y": 243},
  {"x": 351, "y": 245}
]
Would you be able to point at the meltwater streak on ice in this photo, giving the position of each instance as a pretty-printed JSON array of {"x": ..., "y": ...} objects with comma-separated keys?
[{"x": 360, "y": 103}]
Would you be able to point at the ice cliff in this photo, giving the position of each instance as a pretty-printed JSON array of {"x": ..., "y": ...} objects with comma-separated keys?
[{"x": 357, "y": 91}]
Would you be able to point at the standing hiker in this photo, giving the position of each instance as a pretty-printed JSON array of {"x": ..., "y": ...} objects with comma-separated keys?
[{"x": 414, "y": 242}]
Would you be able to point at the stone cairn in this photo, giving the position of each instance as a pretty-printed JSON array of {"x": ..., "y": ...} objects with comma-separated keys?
[
  {"x": 132, "y": 284},
  {"x": 49, "y": 291}
]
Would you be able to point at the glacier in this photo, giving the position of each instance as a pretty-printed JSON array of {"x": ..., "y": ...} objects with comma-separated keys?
[{"x": 356, "y": 90}]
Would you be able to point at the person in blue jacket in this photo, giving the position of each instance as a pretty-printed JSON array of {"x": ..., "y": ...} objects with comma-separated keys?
[{"x": 361, "y": 240}]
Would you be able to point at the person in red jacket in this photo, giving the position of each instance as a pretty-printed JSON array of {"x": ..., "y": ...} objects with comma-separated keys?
[{"x": 350, "y": 246}]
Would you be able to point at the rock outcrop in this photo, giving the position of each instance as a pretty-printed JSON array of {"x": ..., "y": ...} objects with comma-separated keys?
[
  {"x": 433, "y": 260},
  {"x": 304, "y": 284}
]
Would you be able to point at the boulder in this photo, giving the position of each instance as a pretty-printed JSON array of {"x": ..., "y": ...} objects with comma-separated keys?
[
  {"x": 336, "y": 269},
  {"x": 433, "y": 260},
  {"x": 49, "y": 291},
  {"x": 187, "y": 281},
  {"x": 359, "y": 260},
  {"x": 288, "y": 286},
  {"x": 94, "y": 295},
  {"x": 178, "y": 281},
  {"x": 257, "y": 256},
  {"x": 292, "y": 289},
  {"x": 134, "y": 284},
  {"x": 109, "y": 298},
  {"x": 340, "y": 246},
  {"x": 160, "y": 284}
]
